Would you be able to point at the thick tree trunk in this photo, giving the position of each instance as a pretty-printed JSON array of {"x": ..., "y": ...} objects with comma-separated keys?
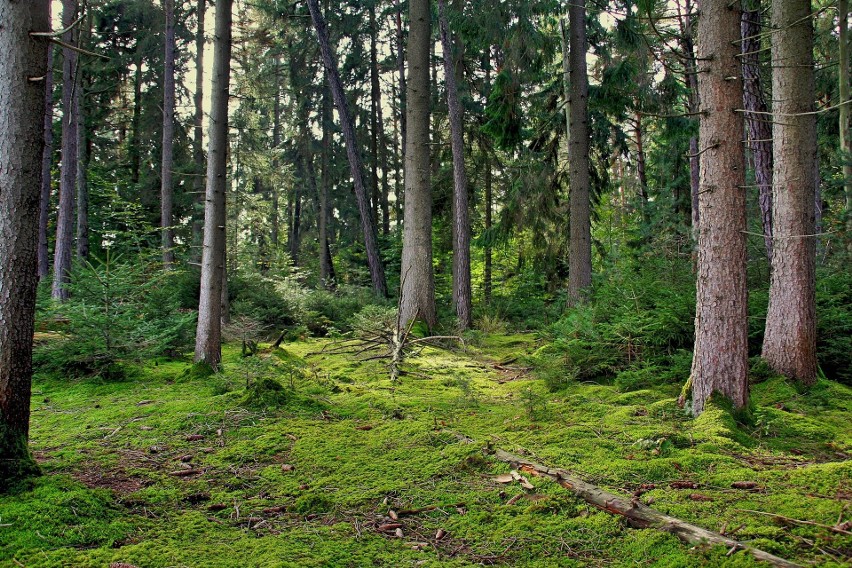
[
  {"x": 789, "y": 344},
  {"x": 198, "y": 137},
  {"x": 22, "y": 100},
  {"x": 65, "y": 218},
  {"x": 758, "y": 125},
  {"x": 580, "y": 255},
  {"x": 368, "y": 225},
  {"x": 208, "y": 338},
  {"x": 461, "y": 221},
  {"x": 720, "y": 363},
  {"x": 46, "y": 165},
  {"x": 166, "y": 187},
  {"x": 417, "y": 301}
]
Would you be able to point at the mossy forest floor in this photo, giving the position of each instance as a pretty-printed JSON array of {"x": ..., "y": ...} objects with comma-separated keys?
[{"x": 170, "y": 468}]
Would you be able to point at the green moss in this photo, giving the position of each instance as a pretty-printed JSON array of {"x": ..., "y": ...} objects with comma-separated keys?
[{"x": 17, "y": 465}]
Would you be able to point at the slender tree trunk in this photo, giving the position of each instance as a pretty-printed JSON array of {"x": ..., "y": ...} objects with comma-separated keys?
[
  {"x": 720, "y": 363},
  {"x": 845, "y": 142},
  {"x": 759, "y": 128},
  {"x": 489, "y": 199},
  {"x": 198, "y": 137},
  {"x": 166, "y": 187},
  {"x": 368, "y": 225},
  {"x": 65, "y": 219},
  {"x": 461, "y": 221},
  {"x": 640, "y": 168},
  {"x": 135, "y": 156},
  {"x": 375, "y": 109},
  {"x": 580, "y": 256},
  {"x": 275, "y": 219},
  {"x": 789, "y": 344},
  {"x": 400, "y": 63},
  {"x": 692, "y": 101},
  {"x": 21, "y": 144},
  {"x": 296, "y": 222},
  {"x": 417, "y": 300},
  {"x": 208, "y": 337},
  {"x": 566, "y": 80},
  {"x": 46, "y": 165},
  {"x": 326, "y": 267},
  {"x": 82, "y": 173}
]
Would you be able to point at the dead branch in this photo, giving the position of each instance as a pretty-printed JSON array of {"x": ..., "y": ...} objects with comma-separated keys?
[{"x": 637, "y": 514}]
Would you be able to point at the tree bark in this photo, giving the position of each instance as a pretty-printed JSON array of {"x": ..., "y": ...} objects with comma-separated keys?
[
  {"x": 82, "y": 176},
  {"x": 720, "y": 363},
  {"x": 759, "y": 129},
  {"x": 326, "y": 266},
  {"x": 208, "y": 338},
  {"x": 580, "y": 255},
  {"x": 461, "y": 221},
  {"x": 789, "y": 343},
  {"x": 46, "y": 165},
  {"x": 417, "y": 301},
  {"x": 692, "y": 102},
  {"x": 843, "y": 77},
  {"x": 276, "y": 142},
  {"x": 368, "y": 225},
  {"x": 22, "y": 101},
  {"x": 489, "y": 198},
  {"x": 198, "y": 137},
  {"x": 65, "y": 220},
  {"x": 637, "y": 514},
  {"x": 166, "y": 187},
  {"x": 375, "y": 113}
]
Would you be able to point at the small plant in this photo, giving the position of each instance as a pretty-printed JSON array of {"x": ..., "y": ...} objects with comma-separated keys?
[{"x": 534, "y": 404}]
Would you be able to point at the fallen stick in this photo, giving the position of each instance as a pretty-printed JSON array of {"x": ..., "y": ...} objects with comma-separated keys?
[
  {"x": 782, "y": 518},
  {"x": 637, "y": 514}
]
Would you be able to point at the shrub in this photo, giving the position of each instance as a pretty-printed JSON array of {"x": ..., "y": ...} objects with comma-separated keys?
[{"x": 118, "y": 312}]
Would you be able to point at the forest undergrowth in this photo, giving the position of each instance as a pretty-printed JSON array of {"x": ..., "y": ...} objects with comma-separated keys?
[{"x": 301, "y": 457}]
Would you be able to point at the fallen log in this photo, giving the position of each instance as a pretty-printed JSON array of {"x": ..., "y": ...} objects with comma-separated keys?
[{"x": 637, "y": 514}]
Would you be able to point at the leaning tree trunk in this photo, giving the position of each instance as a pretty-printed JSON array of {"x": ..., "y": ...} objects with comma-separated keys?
[
  {"x": 208, "y": 337},
  {"x": 720, "y": 363},
  {"x": 197, "y": 137},
  {"x": 22, "y": 100},
  {"x": 789, "y": 344},
  {"x": 326, "y": 266},
  {"x": 65, "y": 218},
  {"x": 46, "y": 165},
  {"x": 368, "y": 224},
  {"x": 759, "y": 128},
  {"x": 166, "y": 188},
  {"x": 461, "y": 221},
  {"x": 417, "y": 301},
  {"x": 580, "y": 247}
]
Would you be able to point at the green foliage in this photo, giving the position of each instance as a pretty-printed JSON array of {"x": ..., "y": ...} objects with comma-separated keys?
[
  {"x": 119, "y": 312},
  {"x": 834, "y": 323}
]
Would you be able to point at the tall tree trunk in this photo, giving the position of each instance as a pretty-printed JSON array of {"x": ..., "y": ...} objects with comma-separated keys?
[
  {"x": 759, "y": 129},
  {"x": 22, "y": 100},
  {"x": 135, "y": 121},
  {"x": 368, "y": 225},
  {"x": 640, "y": 168},
  {"x": 400, "y": 63},
  {"x": 461, "y": 222},
  {"x": 275, "y": 219},
  {"x": 208, "y": 337},
  {"x": 580, "y": 255},
  {"x": 720, "y": 363},
  {"x": 296, "y": 221},
  {"x": 46, "y": 165},
  {"x": 417, "y": 301},
  {"x": 692, "y": 101},
  {"x": 166, "y": 187},
  {"x": 326, "y": 267},
  {"x": 82, "y": 171},
  {"x": 198, "y": 137},
  {"x": 489, "y": 199},
  {"x": 65, "y": 219},
  {"x": 375, "y": 109},
  {"x": 845, "y": 142},
  {"x": 789, "y": 344}
]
